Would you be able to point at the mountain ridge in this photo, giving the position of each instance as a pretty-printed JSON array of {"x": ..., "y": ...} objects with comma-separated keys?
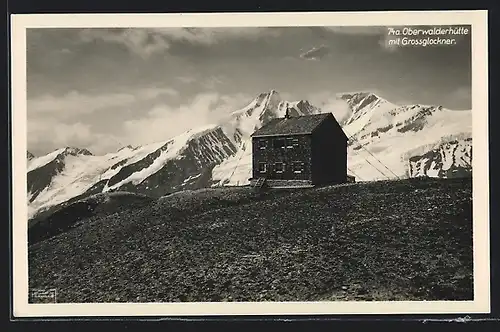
[{"x": 219, "y": 154}]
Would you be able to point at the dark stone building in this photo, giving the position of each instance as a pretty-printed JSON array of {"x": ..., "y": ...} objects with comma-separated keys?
[{"x": 300, "y": 151}]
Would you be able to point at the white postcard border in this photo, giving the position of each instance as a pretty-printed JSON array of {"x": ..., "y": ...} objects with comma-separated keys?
[{"x": 478, "y": 20}]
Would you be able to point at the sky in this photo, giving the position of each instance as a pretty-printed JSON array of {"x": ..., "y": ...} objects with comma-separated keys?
[{"x": 102, "y": 89}]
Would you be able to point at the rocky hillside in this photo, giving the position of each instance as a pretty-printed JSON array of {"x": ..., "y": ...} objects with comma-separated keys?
[
  {"x": 449, "y": 159},
  {"x": 70, "y": 214},
  {"x": 378, "y": 241},
  {"x": 382, "y": 136},
  {"x": 29, "y": 155}
]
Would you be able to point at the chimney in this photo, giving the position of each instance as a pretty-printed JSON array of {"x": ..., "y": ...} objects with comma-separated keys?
[{"x": 287, "y": 113}]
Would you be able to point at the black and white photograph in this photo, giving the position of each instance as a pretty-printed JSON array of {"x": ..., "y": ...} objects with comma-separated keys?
[{"x": 323, "y": 162}]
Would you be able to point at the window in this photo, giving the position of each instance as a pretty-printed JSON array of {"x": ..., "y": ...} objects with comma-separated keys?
[
  {"x": 279, "y": 143},
  {"x": 262, "y": 167},
  {"x": 298, "y": 166},
  {"x": 279, "y": 167},
  {"x": 262, "y": 143},
  {"x": 295, "y": 141},
  {"x": 289, "y": 142}
]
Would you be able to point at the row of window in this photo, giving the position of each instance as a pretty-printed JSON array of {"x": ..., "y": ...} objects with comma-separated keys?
[
  {"x": 288, "y": 142},
  {"x": 279, "y": 167}
]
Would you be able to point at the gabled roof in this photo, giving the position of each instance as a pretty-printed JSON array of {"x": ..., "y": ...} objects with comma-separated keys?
[{"x": 294, "y": 125}]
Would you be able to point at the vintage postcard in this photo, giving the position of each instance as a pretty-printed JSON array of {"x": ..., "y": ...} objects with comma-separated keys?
[{"x": 237, "y": 164}]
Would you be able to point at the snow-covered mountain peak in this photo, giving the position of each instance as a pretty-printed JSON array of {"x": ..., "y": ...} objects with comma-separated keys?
[
  {"x": 263, "y": 101},
  {"x": 45, "y": 159},
  {"x": 266, "y": 106},
  {"x": 221, "y": 153},
  {"x": 72, "y": 151},
  {"x": 62, "y": 152},
  {"x": 270, "y": 93},
  {"x": 270, "y": 104},
  {"x": 364, "y": 107},
  {"x": 356, "y": 96},
  {"x": 267, "y": 99},
  {"x": 270, "y": 101},
  {"x": 305, "y": 106},
  {"x": 128, "y": 147}
]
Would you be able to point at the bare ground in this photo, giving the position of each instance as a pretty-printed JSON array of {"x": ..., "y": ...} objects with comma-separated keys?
[{"x": 391, "y": 240}]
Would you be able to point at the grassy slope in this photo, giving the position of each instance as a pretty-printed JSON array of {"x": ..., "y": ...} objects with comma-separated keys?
[{"x": 408, "y": 240}]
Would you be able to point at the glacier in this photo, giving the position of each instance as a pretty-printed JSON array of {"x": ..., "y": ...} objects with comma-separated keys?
[{"x": 386, "y": 140}]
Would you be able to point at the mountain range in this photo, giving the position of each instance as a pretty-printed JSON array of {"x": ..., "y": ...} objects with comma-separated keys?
[{"x": 387, "y": 141}]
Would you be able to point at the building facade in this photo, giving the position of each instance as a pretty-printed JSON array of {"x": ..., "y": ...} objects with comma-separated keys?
[{"x": 308, "y": 150}]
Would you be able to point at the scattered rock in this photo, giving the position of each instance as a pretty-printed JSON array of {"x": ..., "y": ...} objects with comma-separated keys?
[{"x": 126, "y": 257}]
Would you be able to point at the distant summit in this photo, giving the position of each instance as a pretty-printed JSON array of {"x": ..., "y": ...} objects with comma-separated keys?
[
  {"x": 76, "y": 151},
  {"x": 386, "y": 140},
  {"x": 128, "y": 147}
]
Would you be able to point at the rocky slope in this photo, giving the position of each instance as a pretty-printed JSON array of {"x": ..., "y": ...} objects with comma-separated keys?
[
  {"x": 72, "y": 213},
  {"x": 29, "y": 155},
  {"x": 376, "y": 241},
  {"x": 449, "y": 159}
]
